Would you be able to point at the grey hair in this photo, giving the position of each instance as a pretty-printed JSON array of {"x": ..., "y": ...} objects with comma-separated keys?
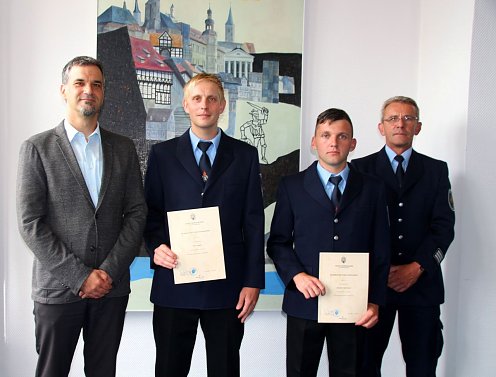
[{"x": 400, "y": 99}]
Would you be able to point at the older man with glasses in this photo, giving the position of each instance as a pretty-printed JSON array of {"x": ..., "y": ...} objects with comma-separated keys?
[{"x": 422, "y": 218}]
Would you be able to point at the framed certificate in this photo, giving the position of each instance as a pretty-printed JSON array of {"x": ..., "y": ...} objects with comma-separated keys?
[
  {"x": 196, "y": 238},
  {"x": 346, "y": 280}
]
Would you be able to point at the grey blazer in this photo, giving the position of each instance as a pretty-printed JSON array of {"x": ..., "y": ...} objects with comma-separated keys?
[{"x": 60, "y": 224}]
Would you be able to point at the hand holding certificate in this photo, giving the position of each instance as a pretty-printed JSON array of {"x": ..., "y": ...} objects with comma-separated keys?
[
  {"x": 346, "y": 279},
  {"x": 196, "y": 238}
]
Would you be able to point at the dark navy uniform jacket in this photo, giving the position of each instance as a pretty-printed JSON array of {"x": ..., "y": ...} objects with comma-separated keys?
[
  {"x": 304, "y": 225},
  {"x": 422, "y": 219},
  {"x": 173, "y": 182}
]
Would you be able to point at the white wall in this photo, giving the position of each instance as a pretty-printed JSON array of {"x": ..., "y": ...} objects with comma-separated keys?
[
  {"x": 477, "y": 290},
  {"x": 35, "y": 46},
  {"x": 356, "y": 54}
]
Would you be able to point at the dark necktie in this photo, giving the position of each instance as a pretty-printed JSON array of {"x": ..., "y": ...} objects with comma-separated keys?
[
  {"x": 336, "y": 194},
  {"x": 204, "y": 164},
  {"x": 400, "y": 173}
]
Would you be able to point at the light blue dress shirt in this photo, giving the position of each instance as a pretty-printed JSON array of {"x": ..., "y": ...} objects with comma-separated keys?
[
  {"x": 89, "y": 156},
  {"x": 394, "y": 164},
  {"x": 324, "y": 176},
  {"x": 211, "y": 152}
]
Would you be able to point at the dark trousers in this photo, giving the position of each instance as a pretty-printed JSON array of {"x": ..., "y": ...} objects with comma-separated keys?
[
  {"x": 58, "y": 326},
  {"x": 420, "y": 330},
  {"x": 175, "y": 335},
  {"x": 305, "y": 341}
]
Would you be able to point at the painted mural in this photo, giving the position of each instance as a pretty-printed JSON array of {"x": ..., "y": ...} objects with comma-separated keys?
[{"x": 151, "y": 48}]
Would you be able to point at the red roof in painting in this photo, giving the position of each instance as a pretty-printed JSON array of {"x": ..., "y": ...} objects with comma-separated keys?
[{"x": 145, "y": 56}]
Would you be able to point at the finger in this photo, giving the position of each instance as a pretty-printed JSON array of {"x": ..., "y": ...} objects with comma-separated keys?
[
  {"x": 164, "y": 261},
  {"x": 319, "y": 285},
  {"x": 317, "y": 289},
  {"x": 368, "y": 324},
  {"x": 245, "y": 313},
  {"x": 240, "y": 303},
  {"x": 313, "y": 291},
  {"x": 246, "y": 316},
  {"x": 244, "y": 309},
  {"x": 166, "y": 251},
  {"x": 373, "y": 321},
  {"x": 242, "y": 315},
  {"x": 363, "y": 319}
]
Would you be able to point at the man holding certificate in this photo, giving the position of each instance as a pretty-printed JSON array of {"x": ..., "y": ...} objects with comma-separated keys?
[
  {"x": 205, "y": 236},
  {"x": 333, "y": 214}
]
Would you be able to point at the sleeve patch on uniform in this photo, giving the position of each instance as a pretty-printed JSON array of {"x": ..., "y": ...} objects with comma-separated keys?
[
  {"x": 439, "y": 256},
  {"x": 451, "y": 201}
]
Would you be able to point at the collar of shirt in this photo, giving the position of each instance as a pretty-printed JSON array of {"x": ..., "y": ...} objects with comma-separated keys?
[
  {"x": 324, "y": 176},
  {"x": 211, "y": 152},
  {"x": 72, "y": 132},
  {"x": 391, "y": 155}
]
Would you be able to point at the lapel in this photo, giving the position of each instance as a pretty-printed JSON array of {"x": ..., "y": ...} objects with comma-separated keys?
[
  {"x": 412, "y": 175},
  {"x": 414, "y": 171},
  {"x": 186, "y": 157},
  {"x": 223, "y": 158},
  {"x": 385, "y": 171},
  {"x": 70, "y": 158},
  {"x": 107, "y": 148},
  {"x": 353, "y": 187},
  {"x": 313, "y": 186}
]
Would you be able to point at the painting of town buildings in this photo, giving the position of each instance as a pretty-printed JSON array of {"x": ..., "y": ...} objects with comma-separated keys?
[{"x": 149, "y": 53}]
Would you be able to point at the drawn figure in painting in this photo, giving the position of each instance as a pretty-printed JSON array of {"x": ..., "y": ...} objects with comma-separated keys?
[{"x": 259, "y": 116}]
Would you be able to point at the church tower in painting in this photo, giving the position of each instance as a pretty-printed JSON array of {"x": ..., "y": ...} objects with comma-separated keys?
[
  {"x": 229, "y": 27},
  {"x": 137, "y": 13},
  {"x": 210, "y": 36},
  {"x": 152, "y": 15}
]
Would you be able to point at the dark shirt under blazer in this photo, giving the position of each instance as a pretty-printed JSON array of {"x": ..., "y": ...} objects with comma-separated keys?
[
  {"x": 304, "y": 225},
  {"x": 422, "y": 221},
  {"x": 60, "y": 224},
  {"x": 173, "y": 182}
]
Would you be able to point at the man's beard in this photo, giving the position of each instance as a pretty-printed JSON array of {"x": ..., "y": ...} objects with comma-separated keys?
[{"x": 88, "y": 110}]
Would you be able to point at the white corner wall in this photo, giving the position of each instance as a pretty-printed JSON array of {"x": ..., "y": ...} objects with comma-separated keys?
[
  {"x": 356, "y": 54},
  {"x": 475, "y": 344}
]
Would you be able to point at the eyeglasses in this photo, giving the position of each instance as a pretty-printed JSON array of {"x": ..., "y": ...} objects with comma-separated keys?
[{"x": 405, "y": 118}]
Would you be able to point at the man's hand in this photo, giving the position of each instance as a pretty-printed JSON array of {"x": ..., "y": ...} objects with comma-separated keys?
[
  {"x": 96, "y": 285},
  {"x": 248, "y": 298},
  {"x": 370, "y": 317},
  {"x": 309, "y": 285},
  {"x": 403, "y": 276},
  {"x": 165, "y": 257}
]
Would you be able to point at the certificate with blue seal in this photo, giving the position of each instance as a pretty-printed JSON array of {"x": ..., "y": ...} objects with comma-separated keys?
[
  {"x": 346, "y": 280},
  {"x": 196, "y": 238}
]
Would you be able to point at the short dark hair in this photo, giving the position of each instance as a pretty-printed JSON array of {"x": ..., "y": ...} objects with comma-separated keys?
[
  {"x": 81, "y": 61},
  {"x": 332, "y": 115}
]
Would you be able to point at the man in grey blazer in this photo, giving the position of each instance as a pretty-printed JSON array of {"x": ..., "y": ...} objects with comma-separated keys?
[{"x": 81, "y": 211}]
